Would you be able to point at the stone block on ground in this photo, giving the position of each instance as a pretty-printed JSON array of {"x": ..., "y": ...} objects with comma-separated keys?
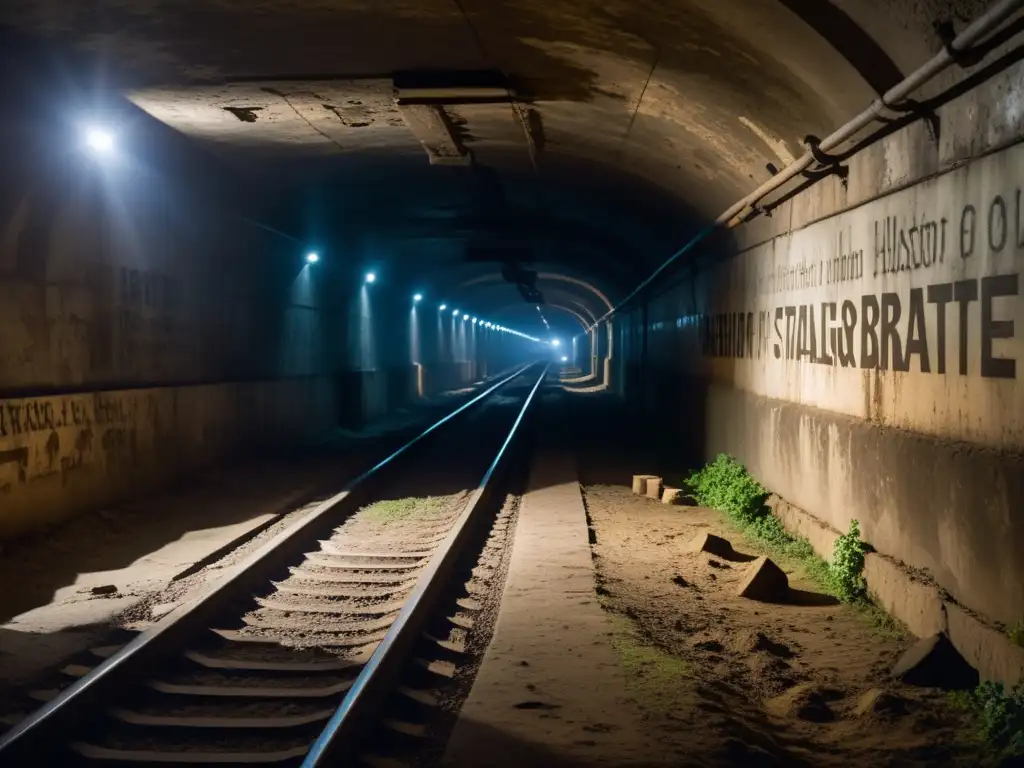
[
  {"x": 764, "y": 581},
  {"x": 654, "y": 487},
  {"x": 933, "y": 662},
  {"x": 713, "y": 545},
  {"x": 671, "y": 495},
  {"x": 640, "y": 484}
]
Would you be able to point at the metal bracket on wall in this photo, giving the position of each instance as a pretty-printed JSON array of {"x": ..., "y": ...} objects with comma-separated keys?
[
  {"x": 826, "y": 164},
  {"x": 916, "y": 108},
  {"x": 947, "y": 34}
]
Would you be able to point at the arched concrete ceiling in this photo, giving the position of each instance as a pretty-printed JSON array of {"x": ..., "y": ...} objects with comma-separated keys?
[
  {"x": 481, "y": 296},
  {"x": 602, "y": 132}
]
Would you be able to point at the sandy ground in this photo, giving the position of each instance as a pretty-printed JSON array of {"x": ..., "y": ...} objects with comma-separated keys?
[{"x": 730, "y": 681}]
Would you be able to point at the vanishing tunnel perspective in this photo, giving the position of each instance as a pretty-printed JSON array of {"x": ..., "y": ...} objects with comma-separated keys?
[{"x": 526, "y": 382}]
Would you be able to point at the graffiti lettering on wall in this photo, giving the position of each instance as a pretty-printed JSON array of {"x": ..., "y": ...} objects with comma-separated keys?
[
  {"x": 939, "y": 327},
  {"x": 23, "y": 417},
  {"x": 886, "y": 331}
]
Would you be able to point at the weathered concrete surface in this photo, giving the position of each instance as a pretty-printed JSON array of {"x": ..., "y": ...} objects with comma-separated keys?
[
  {"x": 947, "y": 508},
  {"x": 904, "y": 312},
  {"x": 915, "y": 601},
  {"x": 65, "y": 454},
  {"x": 864, "y": 361}
]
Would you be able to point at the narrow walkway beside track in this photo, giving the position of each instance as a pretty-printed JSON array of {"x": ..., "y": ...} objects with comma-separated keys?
[{"x": 550, "y": 691}]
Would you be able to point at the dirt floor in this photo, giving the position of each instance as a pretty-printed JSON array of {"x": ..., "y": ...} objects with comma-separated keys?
[{"x": 732, "y": 681}]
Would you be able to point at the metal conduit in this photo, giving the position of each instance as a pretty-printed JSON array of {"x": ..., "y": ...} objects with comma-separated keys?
[{"x": 985, "y": 24}]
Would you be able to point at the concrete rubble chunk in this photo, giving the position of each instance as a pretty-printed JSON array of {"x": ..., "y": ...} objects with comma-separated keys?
[
  {"x": 713, "y": 545},
  {"x": 654, "y": 488},
  {"x": 640, "y": 484},
  {"x": 764, "y": 581},
  {"x": 672, "y": 495},
  {"x": 934, "y": 662}
]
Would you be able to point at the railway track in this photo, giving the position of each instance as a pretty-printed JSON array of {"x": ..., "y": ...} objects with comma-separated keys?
[{"x": 300, "y": 652}]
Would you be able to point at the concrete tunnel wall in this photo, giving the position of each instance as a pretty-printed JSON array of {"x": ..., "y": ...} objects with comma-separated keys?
[
  {"x": 147, "y": 331},
  {"x": 862, "y": 355}
]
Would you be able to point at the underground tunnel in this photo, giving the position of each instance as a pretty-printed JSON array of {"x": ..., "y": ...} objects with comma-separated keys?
[{"x": 534, "y": 382}]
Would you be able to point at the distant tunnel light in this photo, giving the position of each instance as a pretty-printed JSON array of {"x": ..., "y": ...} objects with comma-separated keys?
[
  {"x": 443, "y": 307},
  {"x": 312, "y": 257},
  {"x": 371, "y": 277},
  {"x": 556, "y": 343},
  {"x": 417, "y": 297},
  {"x": 475, "y": 321},
  {"x": 99, "y": 141},
  {"x": 565, "y": 359}
]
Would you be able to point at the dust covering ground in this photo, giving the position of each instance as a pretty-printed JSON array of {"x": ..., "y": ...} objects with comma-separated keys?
[{"x": 730, "y": 681}]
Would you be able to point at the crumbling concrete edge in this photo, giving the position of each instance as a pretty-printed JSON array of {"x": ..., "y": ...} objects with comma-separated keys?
[{"x": 913, "y": 598}]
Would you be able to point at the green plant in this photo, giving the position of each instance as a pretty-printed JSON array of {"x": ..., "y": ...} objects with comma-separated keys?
[
  {"x": 398, "y": 510},
  {"x": 726, "y": 485},
  {"x": 1016, "y": 633},
  {"x": 999, "y": 715},
  {"x": 847, "y": 567}
]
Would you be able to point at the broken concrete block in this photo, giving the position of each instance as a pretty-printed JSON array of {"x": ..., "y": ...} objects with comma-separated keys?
[
  {"x": 640, "y": 484},
  {"x": 934, "y": 662},
  {"x": 106, "y": 589},
  {"x": 713, "y": 545},
  {"x": 654, "y": 488},
  {"x": 671, "y": 495},
  {"x": 764, "y": 581}
]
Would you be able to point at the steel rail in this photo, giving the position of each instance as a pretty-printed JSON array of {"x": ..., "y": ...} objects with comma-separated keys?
[
  {"x": 378, "y": 676},
  {"x": 49, "y": 724}
]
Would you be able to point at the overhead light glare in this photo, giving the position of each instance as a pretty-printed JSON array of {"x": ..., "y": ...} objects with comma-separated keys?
[{"x": 99, "y": 141}]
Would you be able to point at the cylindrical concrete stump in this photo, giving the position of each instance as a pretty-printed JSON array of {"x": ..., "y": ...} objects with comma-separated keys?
[
  {"x": 640, "y": 484},
  {"x": 654, "y": 488},
  {"x": 671, "y": 495}
]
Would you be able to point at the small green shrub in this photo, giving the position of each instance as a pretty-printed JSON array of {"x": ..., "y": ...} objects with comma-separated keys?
[
  {"x": 726, "y": 485},
  {"x": 999, "y": 715},
  {"x": 1016, "y": 633},
  {"x": 847, "y": 566}
]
